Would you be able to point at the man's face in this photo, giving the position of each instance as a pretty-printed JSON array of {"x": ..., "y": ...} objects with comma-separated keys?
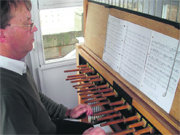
[{"x": 20, "y": 37}]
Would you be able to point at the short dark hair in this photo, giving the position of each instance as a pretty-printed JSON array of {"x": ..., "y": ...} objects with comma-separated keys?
[{"x": 5, "y": 10}]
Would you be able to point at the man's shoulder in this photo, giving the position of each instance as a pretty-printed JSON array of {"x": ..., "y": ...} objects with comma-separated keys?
[
  {"x": 8, "y": 80},
  {"x": 6, "y": 74}
]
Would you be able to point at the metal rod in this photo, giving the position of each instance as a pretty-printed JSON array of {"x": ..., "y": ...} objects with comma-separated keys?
[
  {"x": 162, "y": 8},
  {"x": 170, "y": 9},
  {"x": 155, "y": 8},
  {"x": 178, "y": 12}
]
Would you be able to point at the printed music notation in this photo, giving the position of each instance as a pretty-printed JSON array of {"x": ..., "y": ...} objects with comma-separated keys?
[
  {"x": 114, "y": 42},
  {"x": 147, "y": 59},
  {"x": 161, "y": 74}
]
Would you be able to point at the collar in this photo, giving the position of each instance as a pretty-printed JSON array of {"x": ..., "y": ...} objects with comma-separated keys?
[{"x": 13, "y": 65}]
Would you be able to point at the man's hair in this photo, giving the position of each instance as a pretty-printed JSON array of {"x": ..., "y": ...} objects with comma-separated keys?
[{"x": 5, "y": 10}]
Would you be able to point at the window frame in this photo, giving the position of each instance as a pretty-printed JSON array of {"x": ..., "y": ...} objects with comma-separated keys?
[{"x": 37, "y": 5}]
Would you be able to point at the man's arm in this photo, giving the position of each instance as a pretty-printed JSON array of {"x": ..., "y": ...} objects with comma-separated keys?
[{"x": 55, "y": 110}]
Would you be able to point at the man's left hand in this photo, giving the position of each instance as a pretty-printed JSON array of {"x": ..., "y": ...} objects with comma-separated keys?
[{"x": 79, "y": 110}]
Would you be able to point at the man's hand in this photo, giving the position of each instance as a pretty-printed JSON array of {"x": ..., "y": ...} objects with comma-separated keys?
[
  {"x": 79, "y": 110},
  {"x": 94, "y": 131}
]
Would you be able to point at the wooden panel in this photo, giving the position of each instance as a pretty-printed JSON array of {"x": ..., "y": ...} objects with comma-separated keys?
[
  {"x": 148, "y": 23},
  {"x": 175, "y": 109},
  {"x": 85, "y": 10},
  {"x": 95, "y": 35}
]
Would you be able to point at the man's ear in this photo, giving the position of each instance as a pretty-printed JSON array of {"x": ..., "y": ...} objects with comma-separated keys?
[{"x": 2, "y": 36}]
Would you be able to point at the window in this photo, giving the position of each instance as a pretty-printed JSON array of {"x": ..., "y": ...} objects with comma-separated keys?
[
  {"x": 60, "y": 28},
  {"x": 167, "y": 9}
]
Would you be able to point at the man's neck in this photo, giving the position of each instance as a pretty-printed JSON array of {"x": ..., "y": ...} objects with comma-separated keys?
[{"x": 6, "y": 52}]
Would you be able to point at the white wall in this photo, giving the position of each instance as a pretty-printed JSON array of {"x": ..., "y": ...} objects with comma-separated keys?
[{"x": 54, "y": 85}]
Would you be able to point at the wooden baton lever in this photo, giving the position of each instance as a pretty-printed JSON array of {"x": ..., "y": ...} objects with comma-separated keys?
[
  {"x": 95, "y": 87},
  {"x": 82, "y": 84},
  {"x": 121, "y": 102},
  {"x": 112, "y": 122},
  {"x": 85, "y": 85},
  {"x": 120, "y": 120},
  {"x": 99, "y": 104},
  {"x": 109, "y": 117},
  {"x": 92, "y": 76},
  {"x": 95, "y": 100},
  {"x": 78, "y": 75},
  {"x": 97, "y": 91},
  {"x": 86, "y": 89},
  {"x": 98, "y": 95},
  {"x": 87, "y": 71},
  {"x": 92, "y": 96},
  {"x": 82, "y": 66},
  {"x": 124, "y": 132},
  {"x": 80, "y": 80},
  {"x": 74, "y": 70},
  {"x": 109, "y": 94},
  {"x": 127, "y": 106},
  {"x": 103, "y": 112},
  {"x": 96, "y": 80},
  {"x": 145, "y": 130},
  {"x": 86, "y": 78},
  {"x": 137, "y": 124}
]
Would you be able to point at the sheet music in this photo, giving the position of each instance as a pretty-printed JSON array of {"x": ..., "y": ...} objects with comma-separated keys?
[
  {"x": 134, "y": 53},
  {"x": 158, "y": 70},
  {"x": 147, "y": 59},
  {"x": 114, "y": 42}
]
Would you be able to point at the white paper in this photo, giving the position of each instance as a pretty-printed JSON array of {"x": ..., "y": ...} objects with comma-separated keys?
[
  {"x": 114, "y": 42},
  {"x": 134, "y": 53},
  {"x": 147, "y": 59},
  {"x": 158, "y": 70}
]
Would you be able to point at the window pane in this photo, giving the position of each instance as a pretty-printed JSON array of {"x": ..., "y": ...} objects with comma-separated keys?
[
  {"x": 59, "y": 28},
  {"x": 170, "y": 10},
  {"x": 129, "y": 4}
]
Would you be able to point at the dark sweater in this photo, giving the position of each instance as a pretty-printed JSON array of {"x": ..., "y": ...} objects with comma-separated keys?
[{"x": 23, "y": 109}]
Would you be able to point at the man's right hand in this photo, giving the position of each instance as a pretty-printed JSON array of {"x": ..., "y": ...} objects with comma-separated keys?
[{"x": 94, "y": 131}]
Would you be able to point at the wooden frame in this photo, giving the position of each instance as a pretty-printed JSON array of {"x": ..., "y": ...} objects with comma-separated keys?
[{"x": 92, "y": 50}]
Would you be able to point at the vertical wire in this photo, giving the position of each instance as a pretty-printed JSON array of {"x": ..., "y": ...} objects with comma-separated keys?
[
  {"x": 119, "y": 3},
  {"x": 162, "y": 9},
  {"x": 137, "y": 5},
  {"x": 178, "y": 12},
  {"x": 143, "y": 6},
  {"x": 170, "y": 10},
  {"x": 132, "y": 7},
  {"x": 148, "y": 6},
  {"x": 155, "y": 9},
  {"x": 127, "y": 4}
]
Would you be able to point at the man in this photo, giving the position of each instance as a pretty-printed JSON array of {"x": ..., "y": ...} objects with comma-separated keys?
[{"x": 23, "y": 109}]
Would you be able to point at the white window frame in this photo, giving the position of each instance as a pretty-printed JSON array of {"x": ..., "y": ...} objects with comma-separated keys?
[{"x": 38, "y": 5}]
